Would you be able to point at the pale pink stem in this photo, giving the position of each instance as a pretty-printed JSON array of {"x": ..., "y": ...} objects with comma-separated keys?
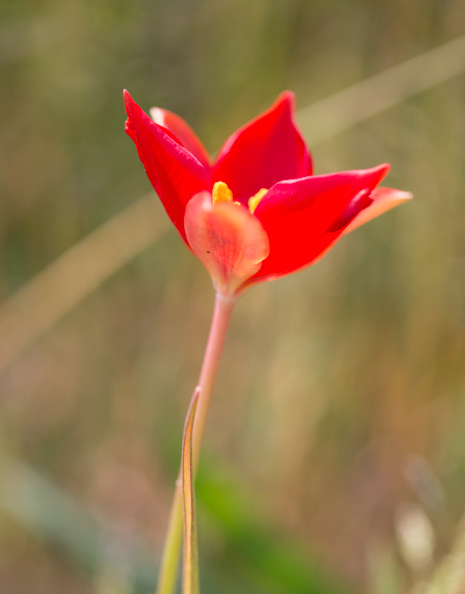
[{"x": 172, "y": 549}]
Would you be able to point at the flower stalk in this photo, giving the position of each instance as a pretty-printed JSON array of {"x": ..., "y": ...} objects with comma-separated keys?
[{"x": 173, "y": 543}]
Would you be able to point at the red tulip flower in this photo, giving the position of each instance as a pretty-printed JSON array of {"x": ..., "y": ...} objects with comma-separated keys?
[{"x": 256, "y": 212}]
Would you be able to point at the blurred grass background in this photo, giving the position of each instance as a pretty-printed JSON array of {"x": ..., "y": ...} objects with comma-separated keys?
[{"x": 334, "y": 458}]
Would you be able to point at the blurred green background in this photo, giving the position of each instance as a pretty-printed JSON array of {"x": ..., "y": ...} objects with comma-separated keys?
[{"x": 334, "y": 458}]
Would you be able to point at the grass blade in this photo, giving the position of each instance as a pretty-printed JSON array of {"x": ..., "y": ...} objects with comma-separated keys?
[{"x": 191, "y": 556}]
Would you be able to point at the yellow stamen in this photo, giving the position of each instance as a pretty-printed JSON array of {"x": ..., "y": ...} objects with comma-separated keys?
[
  {"x": 253, "y": 202},
  {"x": 221, "y": 193}
]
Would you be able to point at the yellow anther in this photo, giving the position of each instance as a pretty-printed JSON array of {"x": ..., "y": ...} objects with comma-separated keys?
[
  {"x": 221, "y": 193},
  {"x": 253, "y": 202}
]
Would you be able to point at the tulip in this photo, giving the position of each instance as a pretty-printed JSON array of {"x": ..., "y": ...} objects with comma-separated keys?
[{"x": 254, "y": 214}]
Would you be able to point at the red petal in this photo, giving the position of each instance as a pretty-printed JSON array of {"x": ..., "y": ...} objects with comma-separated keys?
[
  {"x": 267, "y": 150},
  {"x": 304, "y": 217},
  {"x": 182, "y": 132},
  {"x": 383, "y": 200},
  {"x": 173, "y": 171},
  {"x": 228, "y": 239}
]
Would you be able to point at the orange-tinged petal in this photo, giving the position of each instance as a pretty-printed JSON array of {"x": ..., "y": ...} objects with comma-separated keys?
[
  {"x": 227, "y": 238},
  {"x": 383, "y": 200}
]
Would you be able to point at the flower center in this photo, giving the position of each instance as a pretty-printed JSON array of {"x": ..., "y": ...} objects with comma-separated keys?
[
  {"x": 221, "y": 193},
  {"x": 253, "y": 202}
]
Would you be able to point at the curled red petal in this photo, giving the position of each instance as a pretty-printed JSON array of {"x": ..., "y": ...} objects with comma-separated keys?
[
  {"x": 304, "y": 217},
  {"x": 228, "y": 239},
  {"x": 268, "y": 149},
  {"x": 383, "y": 200},
  {"x": 174, "y": 172},
  {"x": 181, "y": 130}
]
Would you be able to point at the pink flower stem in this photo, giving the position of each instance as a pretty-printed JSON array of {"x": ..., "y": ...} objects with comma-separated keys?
[{"x": 172, "y": 548}]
